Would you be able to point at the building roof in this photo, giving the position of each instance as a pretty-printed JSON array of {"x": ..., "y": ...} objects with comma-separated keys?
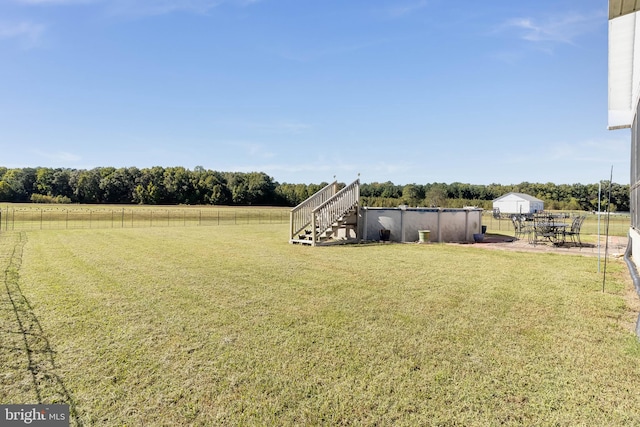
[
  {"x": 522, "y": 196},
  {"x": 624, "y": 62},
  {"x": 622, "y": 7}
]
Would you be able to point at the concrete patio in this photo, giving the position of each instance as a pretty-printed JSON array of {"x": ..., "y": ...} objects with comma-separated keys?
[{"x": 616, "y": 248}]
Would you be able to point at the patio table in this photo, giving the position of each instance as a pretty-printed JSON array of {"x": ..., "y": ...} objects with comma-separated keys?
[{"x": 550, "y": 231}]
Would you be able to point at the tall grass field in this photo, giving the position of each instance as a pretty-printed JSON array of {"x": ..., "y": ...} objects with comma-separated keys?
[
  {"x": 232, "y": 325},
  {"x": 15, "y": 217}
]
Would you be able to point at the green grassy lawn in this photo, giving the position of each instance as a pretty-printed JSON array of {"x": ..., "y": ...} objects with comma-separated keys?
[{"x": 232, "y": 325}]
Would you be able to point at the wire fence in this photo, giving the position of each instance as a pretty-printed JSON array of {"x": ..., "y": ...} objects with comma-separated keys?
[
  {"x": 618, "y": 223},
  {"x": 54, "y": 218},
  {"x": 60, "y": 218}
]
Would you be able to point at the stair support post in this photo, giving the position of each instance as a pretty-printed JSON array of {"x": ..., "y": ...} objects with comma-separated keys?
[
  {"x": 314, "y": 232},
  {"x": 291, "y": 225}
]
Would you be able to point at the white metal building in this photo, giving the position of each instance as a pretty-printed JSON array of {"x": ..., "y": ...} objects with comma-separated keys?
[
  {"x": 624, "y": 95},
  {"x": 518, "y": 203}
]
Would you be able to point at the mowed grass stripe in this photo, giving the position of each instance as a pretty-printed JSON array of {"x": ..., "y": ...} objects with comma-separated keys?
[{"x": 232, "y": 325}]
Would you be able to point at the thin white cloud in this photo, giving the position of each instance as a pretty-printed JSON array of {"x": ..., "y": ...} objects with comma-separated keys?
[
  {"x": 58, "y": 156},
  {"x": 27, "y": 33},
  {"x": 565, "y": 28},
  {"x": 163, "y": 7},
  {"x": 508, "y": 57},
  {"x": 593, "y": 155},
  {"x": 160, "y": 7},
  {"x": 145, "y": 7},
  {"x": 310, "y": 54},
  {"x": 55, "y": 2},
  {"x": 272, "y": 168},
  {"x": 348, "y": 169},
  {"x": 404, "y": 9},
  {"x": 596, "y": 151},
  {"x": 284, "y": 127},
  {"x": 258, "y": 150},
  {"x": 328, "y": 170}
]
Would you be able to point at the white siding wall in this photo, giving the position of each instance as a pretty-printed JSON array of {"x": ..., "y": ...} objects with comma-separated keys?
[{"x": 513, "y": 204}]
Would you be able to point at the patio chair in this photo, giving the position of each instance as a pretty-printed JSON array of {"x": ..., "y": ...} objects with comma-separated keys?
[
  {"x": 574, "y": 231},
  {"x": 520, "y": 226},
  {"x": 516, "y": 226},
  {"x": 543, "y": 230}
]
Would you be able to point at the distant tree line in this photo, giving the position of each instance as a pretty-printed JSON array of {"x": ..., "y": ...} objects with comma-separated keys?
[
  {"x": 178, "y": 185},
  {"x": 152, "y": 186},
  {"x": 582, "y": 197}
]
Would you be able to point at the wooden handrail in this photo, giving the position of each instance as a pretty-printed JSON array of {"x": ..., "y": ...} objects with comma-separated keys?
[
  {"x": 346, "y": 190},
  {"x": 301, "y": 215},
  {"x": 320, "y": 211},
  {"x": 330, "y": 211}
]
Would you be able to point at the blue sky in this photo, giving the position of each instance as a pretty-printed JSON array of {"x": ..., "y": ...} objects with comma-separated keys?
[{"x": 408, "y": 91}]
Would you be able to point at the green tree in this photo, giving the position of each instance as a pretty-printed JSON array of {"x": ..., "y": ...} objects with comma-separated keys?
[
  {"x": 6, "y": 193},
  {"x": 436, "y": 195},
  {"x": 412, "y": 194},
  {"x": 60, "y": 183},
  {"x": 86, "y": 185},
  {"x": 179, "y": 185},
  {"x": 118, "y": 185},
  {"x": 44, "y": 181},
  {"x": 150, "y": 187},
  {"x": 260, "y": 188},
  {"x": 22, "y": 183},
  {"x": 211, "y": 188}
]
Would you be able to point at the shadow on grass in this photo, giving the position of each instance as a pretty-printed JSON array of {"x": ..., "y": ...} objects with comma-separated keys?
[{"x": 25, "y": 351}]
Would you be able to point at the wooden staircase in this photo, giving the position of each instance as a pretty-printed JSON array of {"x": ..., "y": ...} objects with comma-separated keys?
[{"x": 329, "y": 216}]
